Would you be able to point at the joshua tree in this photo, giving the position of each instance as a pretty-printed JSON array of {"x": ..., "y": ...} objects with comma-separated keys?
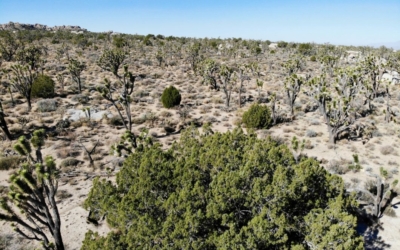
[
  {"x": 374, "y": 69},
  {"x": 9, "y": 45},
  {"x": 37, "y": 141},
  {"x": 274, "y": 111},
  {"x": 297, "y": 148},
  {"x": 377, "y": 203},
  {"x": 75, "y": 69},
  {"x": 22, "y": 80},
  {"x": 293, "y": 66},
  {"x": 32, "y": 191},
  {"x": 329, "y": 62},
  {"x": 194, "y": 56},
  {"x": 335, "y": 109},
  {"x": 241, "y": 76},
  {"x": 30, "y": 56},
  {"x": 293, "y": 84},
  {"x": 160, "y": 57},
  {"x": 225, "y": 75},
  {"x": 208, "y": 69},
  {"x": 260, "y": 85},
  {"x": 89, "y": 152},
  {"x": 3, "y": 123},
  {"x": 61, "y": 78},
  {"x": 111, "y": 60}
]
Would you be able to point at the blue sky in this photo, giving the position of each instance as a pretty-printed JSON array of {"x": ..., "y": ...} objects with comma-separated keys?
[{"x": 357, "y": 22}]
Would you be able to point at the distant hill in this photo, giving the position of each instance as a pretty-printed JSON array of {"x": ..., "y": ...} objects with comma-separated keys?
[
  {"x": 394, "y": 45},
  {"x": 23, "y": 26}
]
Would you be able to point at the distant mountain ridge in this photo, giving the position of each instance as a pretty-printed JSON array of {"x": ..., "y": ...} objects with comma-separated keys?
[
  {"x": 22, "y": 26},
  {"x": 394, "y": 45}
]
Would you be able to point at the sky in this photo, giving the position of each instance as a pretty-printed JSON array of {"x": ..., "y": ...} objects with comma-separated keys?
[{"x": 347, "y": 22}]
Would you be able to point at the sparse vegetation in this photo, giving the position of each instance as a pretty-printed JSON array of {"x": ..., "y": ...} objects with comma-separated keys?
[{"x": 315, "y": 100}]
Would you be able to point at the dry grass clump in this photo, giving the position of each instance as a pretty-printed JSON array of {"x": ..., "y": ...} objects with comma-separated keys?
[
  {"x": 63, "y": 194},
  {"x": 386, "y": 150},
  {"x": 69, "y": 162},
  {"x": 338, "y": 167},
  {"x": 9, "y": 162}
]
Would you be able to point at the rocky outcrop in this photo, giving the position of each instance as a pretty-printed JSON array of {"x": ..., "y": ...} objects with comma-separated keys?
[
  {"x": 391, "y": 77},
  {"x": 22, "y": 26}
]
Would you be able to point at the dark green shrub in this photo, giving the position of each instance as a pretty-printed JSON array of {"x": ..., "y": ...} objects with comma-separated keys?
[
  {"x": 258, "y": 116},
  {"x": 170, "y": 97},
  {"x": 313, "y": 59},
  {"x": 305, "y": 48},
  {"x": 282, "y": 44},
  {"x": 43, "y": 86},
  {"x": 115, "y": 121}
]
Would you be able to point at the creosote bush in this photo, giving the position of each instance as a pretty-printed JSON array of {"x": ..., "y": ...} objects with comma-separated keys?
[
  {"x": 170, "y": 97},
  {"x": 258, "y": 116},
  {"x": 43, "y": 87}
]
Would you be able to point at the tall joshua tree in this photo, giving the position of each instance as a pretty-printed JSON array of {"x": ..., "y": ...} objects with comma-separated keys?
[
  {"x": 32, "y": 192},
  {"x": 293, "y": 84},
  {"x": 121, "y": 91},
  {"x": 75, "y": 68},
  {"x": 22, "y": 80},
  {"x": 3, "y": 123},
  {"x": 336, "y": 109},
  {"x": 225, "y": 75}
]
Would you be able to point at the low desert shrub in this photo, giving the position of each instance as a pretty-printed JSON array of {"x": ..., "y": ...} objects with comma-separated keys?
[
  {"x": 9, "y": 162},
  {"x": 83, "y": 99},
  {"x": 47, "y": 105},
  {"x": 116, "y": 121},
  {"x": 258, "y": 116},
  {"x": 311, "y": 133},
  {"x": 386, "y": 150},
  {"x": 63, "y": 194},
  {"x": 171, "y": 97},
  {"x": 69, "y": 162},
  {"x": 43, "y": 86}
]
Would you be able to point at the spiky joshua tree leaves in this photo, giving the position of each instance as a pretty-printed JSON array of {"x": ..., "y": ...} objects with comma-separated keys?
[
  {"x": 111, "y": 60},
  {"x": 30, "y": 204}
]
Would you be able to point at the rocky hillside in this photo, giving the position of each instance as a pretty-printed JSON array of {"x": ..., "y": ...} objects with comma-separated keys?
[{"x": 24, "y": 26}]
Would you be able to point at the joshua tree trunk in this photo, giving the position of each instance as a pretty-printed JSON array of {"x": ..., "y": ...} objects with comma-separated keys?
[
  {"x": 4, "y": 127},
  {"x": 3, "y": 124}
]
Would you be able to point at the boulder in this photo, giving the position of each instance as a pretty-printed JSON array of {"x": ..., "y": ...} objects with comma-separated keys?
[{"x": 273, "y": 46}]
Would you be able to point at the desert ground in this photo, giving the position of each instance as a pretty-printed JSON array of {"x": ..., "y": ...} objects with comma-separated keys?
[{"x": 200, "y": 104}]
